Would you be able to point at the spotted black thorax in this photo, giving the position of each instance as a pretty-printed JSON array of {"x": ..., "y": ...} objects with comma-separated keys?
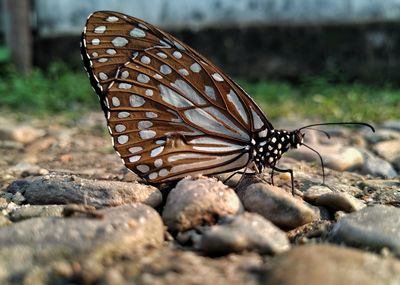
[{"x": 269, "y": 150}]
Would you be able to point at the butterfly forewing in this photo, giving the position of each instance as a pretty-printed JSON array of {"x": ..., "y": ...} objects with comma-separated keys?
[{"x": 170, "y": 111}]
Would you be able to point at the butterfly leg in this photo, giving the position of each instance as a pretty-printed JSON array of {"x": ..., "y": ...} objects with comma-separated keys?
[
  {"x": 290, "y": 171},
  {"x": 272, "y": 176}
]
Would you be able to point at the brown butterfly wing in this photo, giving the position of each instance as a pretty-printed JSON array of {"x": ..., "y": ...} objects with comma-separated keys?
[{"x": 170, "y": 111}]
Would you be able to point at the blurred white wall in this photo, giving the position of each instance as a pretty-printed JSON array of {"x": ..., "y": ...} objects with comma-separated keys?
[{"x": 68, "y": 16}]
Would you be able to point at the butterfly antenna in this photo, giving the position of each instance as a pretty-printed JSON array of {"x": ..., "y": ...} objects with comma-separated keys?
[
  {"x": 322, "y": 162},
  {"x": 321, "y": 131},
  {"x": 340, "y": 123}
]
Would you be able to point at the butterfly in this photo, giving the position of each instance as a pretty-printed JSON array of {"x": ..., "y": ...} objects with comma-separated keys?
[{"x": 170, "y": 111}]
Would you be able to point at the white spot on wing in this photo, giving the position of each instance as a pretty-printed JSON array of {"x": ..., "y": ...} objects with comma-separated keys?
[
  {"x": 95, "y": 42},
  {"x": 135, "y": 158},
  {"x": 183, "y": 71},
  {"x": 177, "y": 54},
  {"x": 145, "y": 59},
  {"x": 136, "y": 101},
  {"x": 143, "y": 78},
  {"x": 111, "y": 51},
  {"x": 153, "y": 175},
  {"x": 112, "y": 19},
  {"x": 115, "y": 101},
  {"x": 144, "y": 125},
  {"x": 124, "y": 86},
  {"x": 125, "y": 74},
  {"x": 143, "y": 168},
  {"x": 119, "y": 42},
  {"x": 135, "y": 149},
  {"x": 165, "y": 69},
  {"x": 123, "y": 115},
  {"x": 217, "y": 77},
  {"x": 149, "y": 92},
  {"x": 151, "y": 115},
  {"x": 100, "y": 29},
  {"x": 123, "y": 139},
  {"x": 163, "y": 172},
  {"x": 147, "y": 134},
  {"x": 103, "y": 76},
  {"x": 120, "y": 128},
  {"x": 137, "y": 33},
  {"x": 158, "y": 162},
  {"x": 195, "y": 67},
  {"x": 162, "y": 55},
  {"x": 156, "y": 151}
]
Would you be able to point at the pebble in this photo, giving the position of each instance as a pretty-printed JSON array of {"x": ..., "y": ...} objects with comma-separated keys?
[
  {"x": 278, "y": 206},
  {"x": 335, "y": 157},
  {"x": 23, "y": 134},
  {"x": 393, "y": 125},
  {"x": 199, "y": 201},
  {"x": 376, "y": 166},
  {"x": 333, "y": 265},
  {"x": 69, "y": 189},
  {"x": 24, "y": 169},
  {"x": 33, "y": 211},
  {"x": 382, "y": 135},
  {"x": 389, "y": 150},
  {"x": 374, "y": 227},
  {"x": 323, "y": 196},
  {"x": 4, "y": 221},
  {"x": 123, "y": 228},
  {"x": 248, "y": 231}
]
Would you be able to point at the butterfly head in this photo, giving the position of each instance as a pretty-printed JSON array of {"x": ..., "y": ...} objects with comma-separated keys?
[{"x": 296, "y": 138}]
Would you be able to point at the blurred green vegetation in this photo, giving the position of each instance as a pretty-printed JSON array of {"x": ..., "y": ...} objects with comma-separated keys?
[{"x": 59, "y": 90}]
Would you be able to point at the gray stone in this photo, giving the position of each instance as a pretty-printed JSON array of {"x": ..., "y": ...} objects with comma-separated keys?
[
  {"x": 37, "y": 243},
  {"x": 24, "y": 169},
  {"x": 334, "y": 156},
  {"x": 199, "y": 201},
  {"x": 33, "y": 211},
  {"x": 248, "y": 231},
  {"x": 381, "y": 191},
  {"x": 389, "y": 150},
  {"x": 278, "y": 206},
  {"x": 323, "y": 196},
  {"x": 333, "y": 265},
  {"x": 69, "y": 189},
  {"x": 4, "y": 221},
  {"x": 23, "y": 134},
  {"x": 382, "y": 135},
  {"x": 377, "y": 166},
  {"x": 392, "y": 125},
  {"x": 375, "y": 227}
]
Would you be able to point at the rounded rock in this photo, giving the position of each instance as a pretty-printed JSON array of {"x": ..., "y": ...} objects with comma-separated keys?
[
  {"x": 278, "y": 206},
  {"x": 374, "y": 227},
  {"x": 248, "y": 231},
  {"x": 199, "y": 201}
]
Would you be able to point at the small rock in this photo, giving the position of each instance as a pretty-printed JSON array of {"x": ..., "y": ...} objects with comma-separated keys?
[
  {"x": 248, "y": 231},
  {"x": 335, "y": 157},
  {"x": 323, "y": 196},
  {"x": 377, "y": 166},
  {"x": 373, "y": 227},
  {"x": 392, "y": 125},
  {"x": 33, "y": 211},
  {"x": 199, "y": 201},
  {"x": 4, "y": 221},
  {"x": 21, "y": 134},
  {"x": 18, "y": 198},
  {"x": 333, "y": 265},
  {"x": 382, "y": 135},
  {"x": 278, "y": 206},
  {"x": 24, "y": 169},
  {"x": 69, "y": 189},
  {"x": 3, "y": 203},
  {"x": 123, "y": 227},
  {"x": 389, "y": 150}
]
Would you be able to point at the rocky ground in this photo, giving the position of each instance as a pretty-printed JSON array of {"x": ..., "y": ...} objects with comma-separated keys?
[{"x": 72, "y": 214}]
